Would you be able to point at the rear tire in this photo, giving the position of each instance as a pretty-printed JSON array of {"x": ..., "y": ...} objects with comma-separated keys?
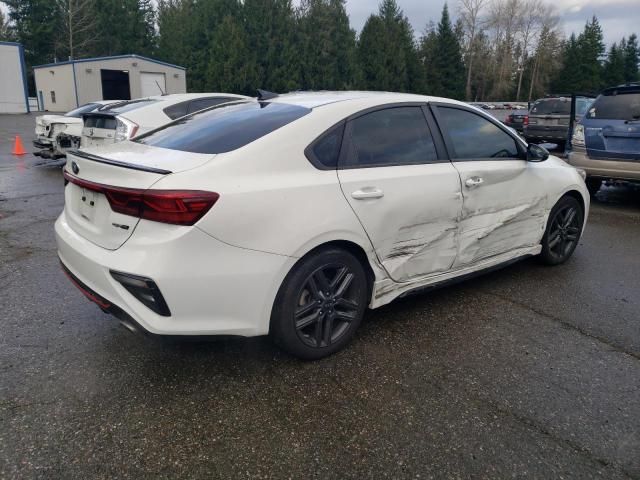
[
  {"x": 593, "y": 185},
  {"x": 320, "y": 304},
  {"x": 563, "y": 231}
]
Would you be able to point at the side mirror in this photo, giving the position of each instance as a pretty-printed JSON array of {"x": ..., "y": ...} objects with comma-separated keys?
[{"x": 536, "y": 153}]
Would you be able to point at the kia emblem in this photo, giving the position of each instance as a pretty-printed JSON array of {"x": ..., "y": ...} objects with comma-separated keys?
[{"x": 75, "y": 168}]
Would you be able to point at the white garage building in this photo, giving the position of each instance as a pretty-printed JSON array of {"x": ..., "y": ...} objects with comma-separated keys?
[
  {"x": 14, "y": 97},
  {"x": 64, "y": 86}
]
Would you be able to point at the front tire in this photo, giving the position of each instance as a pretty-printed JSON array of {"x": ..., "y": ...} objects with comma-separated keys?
[
  {"x": 563, "y": 231},
  {"x": 320, "y": 304}
]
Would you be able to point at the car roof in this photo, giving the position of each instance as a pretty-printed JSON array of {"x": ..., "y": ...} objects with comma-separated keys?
[{"x": 314, "y": 99}]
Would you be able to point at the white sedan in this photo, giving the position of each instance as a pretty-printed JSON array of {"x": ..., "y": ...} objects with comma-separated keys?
[
  {"x": 126, "y": 119},
  {"x": 291, "y": 216}
]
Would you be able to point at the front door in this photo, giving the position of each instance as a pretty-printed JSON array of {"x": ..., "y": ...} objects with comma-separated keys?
[
  {"x": 504, "y": 195},
  {"x": 406, "y": 196}
]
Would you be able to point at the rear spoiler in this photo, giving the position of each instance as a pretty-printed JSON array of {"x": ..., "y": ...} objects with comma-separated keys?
[{"x": 117, "y": 163}]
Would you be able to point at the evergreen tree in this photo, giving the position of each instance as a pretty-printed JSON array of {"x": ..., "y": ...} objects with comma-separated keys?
[
  {"x": 445, "y": 71},
  {"x": 36, "y": 25},
  {"x": 569, "y": 74},
  {"x": 591, "y": 49},
  {"x": 228, "y": 69},
  {"x": 124, "y": 26},
  {"x": 274, "y": 56},
  {"x": 613, "y": 73},
  {"x": 631, "y": 60},
  {"x": 328, "y": 46},
  {"x": 387, "y": 53}
]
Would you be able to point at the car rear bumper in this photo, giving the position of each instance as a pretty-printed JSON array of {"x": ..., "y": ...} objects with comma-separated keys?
[
  {"x": 604, "y": 167},
  {"x": 40, "y": 143},
  {"x": 210, "y": 287}
]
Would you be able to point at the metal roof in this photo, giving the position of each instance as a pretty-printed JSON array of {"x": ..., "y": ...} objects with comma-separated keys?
[{"x": 115, "y": 57}]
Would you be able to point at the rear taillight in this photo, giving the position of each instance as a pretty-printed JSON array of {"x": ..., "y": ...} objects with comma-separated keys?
[
  {"x": 525, "y": 120},
  {"x": 178, "y": 207},
  {"x": 508, "y": 119}
]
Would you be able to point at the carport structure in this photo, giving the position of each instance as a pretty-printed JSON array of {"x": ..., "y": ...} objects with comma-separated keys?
[{"x": 63, "y": 86}]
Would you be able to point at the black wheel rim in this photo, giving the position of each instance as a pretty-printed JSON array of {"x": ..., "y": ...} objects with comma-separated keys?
[
  {"x": 328, "y": 303},
  {"x": 564, "y": 231}
]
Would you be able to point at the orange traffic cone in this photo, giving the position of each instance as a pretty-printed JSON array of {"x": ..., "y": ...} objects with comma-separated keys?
[{"x": 18, "y": 149}]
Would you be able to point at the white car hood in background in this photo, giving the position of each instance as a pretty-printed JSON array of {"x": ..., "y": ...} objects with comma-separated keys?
[{"x": 134, "y": 153}]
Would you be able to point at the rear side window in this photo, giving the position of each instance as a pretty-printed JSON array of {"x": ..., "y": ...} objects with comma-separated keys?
[
  {"x": 225, "y": 128},
  {"x": 393, "y": 136},
  {"x": 623, "y": 106},
  {"x": 323, "y": 153},
  {"x": 555, "y": 106},
  {"x": 176, "y": 111},
  {"x": 474, "y": 136}
]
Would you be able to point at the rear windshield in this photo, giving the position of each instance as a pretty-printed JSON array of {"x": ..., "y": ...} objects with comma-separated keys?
[
  {"x": 553, "y": 106},
  {"x": 224, "y": 128},
  {"x": 126, "y": 106},
  {"x": 621, "y": 106},
  {"x": 77, "y": 113}
]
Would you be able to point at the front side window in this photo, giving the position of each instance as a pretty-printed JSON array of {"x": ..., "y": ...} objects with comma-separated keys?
[
  {"x": 474, "y": 136},
  {"x": 224, "y": 128},
  {"x": 393, "y": 136}
]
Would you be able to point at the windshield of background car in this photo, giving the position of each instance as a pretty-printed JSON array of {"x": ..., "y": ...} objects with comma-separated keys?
[
  {"x": 223, "y": 128},
  {"x": 555, "y": 106},
  {"x": 620, "y": 106},
  {"x": 77, "y": 113},
  {"x": 127, "y": 106}
]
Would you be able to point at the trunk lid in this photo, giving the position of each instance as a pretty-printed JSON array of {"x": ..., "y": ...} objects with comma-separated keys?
[
  {"x": 126, "y": 165},
  {"x": 99, "y": 129}
]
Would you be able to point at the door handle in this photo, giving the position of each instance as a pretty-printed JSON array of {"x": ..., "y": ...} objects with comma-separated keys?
[
  {"x": 473, "y": 182},
  {"x": 367, "y": 192}
]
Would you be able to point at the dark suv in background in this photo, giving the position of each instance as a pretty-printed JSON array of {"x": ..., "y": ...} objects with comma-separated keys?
[
  {"x": 606, "y": 141},
  {"x": 548, "y": 119}
]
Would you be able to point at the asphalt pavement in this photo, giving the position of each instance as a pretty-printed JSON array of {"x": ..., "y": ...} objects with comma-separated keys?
[{"x": 528, "y": 372}]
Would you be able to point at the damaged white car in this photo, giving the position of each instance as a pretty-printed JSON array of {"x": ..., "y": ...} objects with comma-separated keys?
[
  {"x": 57, "y": 133},
  {"x": 291, "y": 215}
]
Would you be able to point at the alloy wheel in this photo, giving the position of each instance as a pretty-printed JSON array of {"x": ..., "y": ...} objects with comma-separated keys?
[
  {"x": 564, "y": 232},
  {"x": 327, "y": 304}
]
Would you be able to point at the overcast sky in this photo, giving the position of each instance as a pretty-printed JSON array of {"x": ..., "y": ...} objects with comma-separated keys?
[{"x": 617, "y": 17}]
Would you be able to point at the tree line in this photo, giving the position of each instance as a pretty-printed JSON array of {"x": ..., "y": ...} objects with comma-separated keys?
[{"x": 494, "y": 50}]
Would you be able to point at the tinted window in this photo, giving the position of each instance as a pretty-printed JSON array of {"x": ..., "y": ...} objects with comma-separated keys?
[
  {"x": 474, "y": 136},
  {"x": 176, "y": 111},
  {"x": 582, "y": 104},
  {"x": 202, "y": 103},
  {"x": 623, "y": 106},
  {"x": 224, "y": 128},
  {"x": 394, "y": 136},
  {"x": 77, "y": 113},
  {"x": 554, "y": 106},
  {"x": 326, "y": 149}
]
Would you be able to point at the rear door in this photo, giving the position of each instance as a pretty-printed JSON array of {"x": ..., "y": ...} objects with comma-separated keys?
[
  {"x": 504, "y": 196},
  {"x": 394, "y": 174}
]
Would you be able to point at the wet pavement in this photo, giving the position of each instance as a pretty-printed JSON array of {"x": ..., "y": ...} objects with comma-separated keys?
[{"x": 529, "y": 372}]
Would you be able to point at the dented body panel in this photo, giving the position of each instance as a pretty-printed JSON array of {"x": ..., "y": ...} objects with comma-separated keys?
[
  {"x": 413, "y": 227},
  {"x": 505, "y": 212}
]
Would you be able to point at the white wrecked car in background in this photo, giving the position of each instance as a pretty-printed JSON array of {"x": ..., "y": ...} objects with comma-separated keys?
[
  {"x": 57, "y": 133},
  {"x": 126, "y": 119}
]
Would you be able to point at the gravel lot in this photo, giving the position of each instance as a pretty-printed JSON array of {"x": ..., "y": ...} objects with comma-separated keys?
[{"x": 529, "y": 372}]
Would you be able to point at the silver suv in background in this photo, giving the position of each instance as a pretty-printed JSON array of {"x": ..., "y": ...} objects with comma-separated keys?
[{"x": 548, "y": 119}]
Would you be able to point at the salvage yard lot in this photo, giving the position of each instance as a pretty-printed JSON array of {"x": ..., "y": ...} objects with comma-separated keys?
[{"x": 529, "y": 372}]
